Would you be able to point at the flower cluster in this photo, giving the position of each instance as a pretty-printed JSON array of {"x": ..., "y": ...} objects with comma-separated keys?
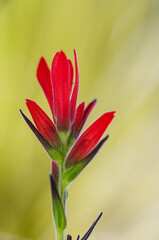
[{"x": 70, "y": 152}]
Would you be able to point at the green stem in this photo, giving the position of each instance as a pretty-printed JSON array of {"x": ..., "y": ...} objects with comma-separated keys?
[{"x": 60, "y": 234}]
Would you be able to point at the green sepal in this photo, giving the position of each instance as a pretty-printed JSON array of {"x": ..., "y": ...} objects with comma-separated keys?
[
  {"x": 72, "y": 172},
  {"x": 71, "y": 141},
  {"x": 55, "y": 155},
  {"x": 58, "y": 210},
  {"x": 63, "y": 135}
]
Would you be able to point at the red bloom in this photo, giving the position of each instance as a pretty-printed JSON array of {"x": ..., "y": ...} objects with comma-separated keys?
[
  {"x": 69, "y": 153},
  {"x": 43, "y": 123},
  {"x": 89, "y": 139},
  {"x": 57, "y": 86}
]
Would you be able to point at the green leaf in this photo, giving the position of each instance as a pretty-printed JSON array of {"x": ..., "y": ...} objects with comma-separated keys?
[
  {"x": 58, "y": 210},
  {"x": 71, "y": 173},
  {"x": 55, "y": 155}
]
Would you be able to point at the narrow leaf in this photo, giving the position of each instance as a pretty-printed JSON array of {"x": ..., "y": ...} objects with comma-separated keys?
[
  {"x": 58, "y": 210},
  {"x": 85, "y": 237}
]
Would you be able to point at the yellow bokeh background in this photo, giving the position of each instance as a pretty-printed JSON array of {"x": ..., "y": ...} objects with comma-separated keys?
[{"x": 117, "y": 43}]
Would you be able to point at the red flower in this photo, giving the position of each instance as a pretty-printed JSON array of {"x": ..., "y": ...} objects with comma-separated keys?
[{"x": 57, "y": 86}]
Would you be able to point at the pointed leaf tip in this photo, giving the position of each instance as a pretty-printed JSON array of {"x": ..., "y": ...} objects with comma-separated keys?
[
  {"x": 42, "y": 140},
  {"x": 85, "y": 237}
]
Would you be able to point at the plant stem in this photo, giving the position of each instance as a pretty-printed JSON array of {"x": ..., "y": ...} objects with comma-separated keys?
[{"x": 60, "y": 234}]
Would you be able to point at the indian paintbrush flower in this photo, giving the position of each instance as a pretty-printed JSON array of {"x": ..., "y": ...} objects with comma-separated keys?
[{"x": 70, "y": 152}]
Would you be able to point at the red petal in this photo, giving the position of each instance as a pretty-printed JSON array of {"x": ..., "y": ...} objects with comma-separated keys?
[
  {"x": 61, "y": 90},
  {"x": 88, "y": 158},
  {"x": 78, "y": 119},
  {"x": 54, "y": 63},
  {"x": 75, "y": 90},
  {"x": 43, "y": 141},
  {"x": 43, "y": 123},
  {"x": 43, "y": 76},
  {"x": 89, "y": 138},
  {"x": 87, "y": 112},
  {"x": 70, "y": 66}
]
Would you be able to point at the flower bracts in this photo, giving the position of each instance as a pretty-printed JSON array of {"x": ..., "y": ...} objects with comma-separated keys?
[
  {"x": 59, "y": 135},
  {"x": 57, "y": 85}
]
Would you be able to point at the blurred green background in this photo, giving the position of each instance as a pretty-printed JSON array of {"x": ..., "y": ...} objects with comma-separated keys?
[{"x": 117, "y": 43}]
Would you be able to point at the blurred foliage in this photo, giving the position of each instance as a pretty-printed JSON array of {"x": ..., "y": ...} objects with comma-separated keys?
[{"x": 117, "y": 46}]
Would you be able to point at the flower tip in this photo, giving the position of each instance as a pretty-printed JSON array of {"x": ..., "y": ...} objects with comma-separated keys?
[
  {"x": 75, "y": 55},
  {"x": 28, "y": 102},
  {"x": 41, "y": 64},
  {"x": 41, "y": 61},
  {"x": 114, "y": 113},
  {"x": 94, "y": 101},
  {"x": 57, "y": 53},
  {"x": 110, "y": 114},
  {"x": 108, "y": 117},
  {"x": 62, "y": 54}
]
